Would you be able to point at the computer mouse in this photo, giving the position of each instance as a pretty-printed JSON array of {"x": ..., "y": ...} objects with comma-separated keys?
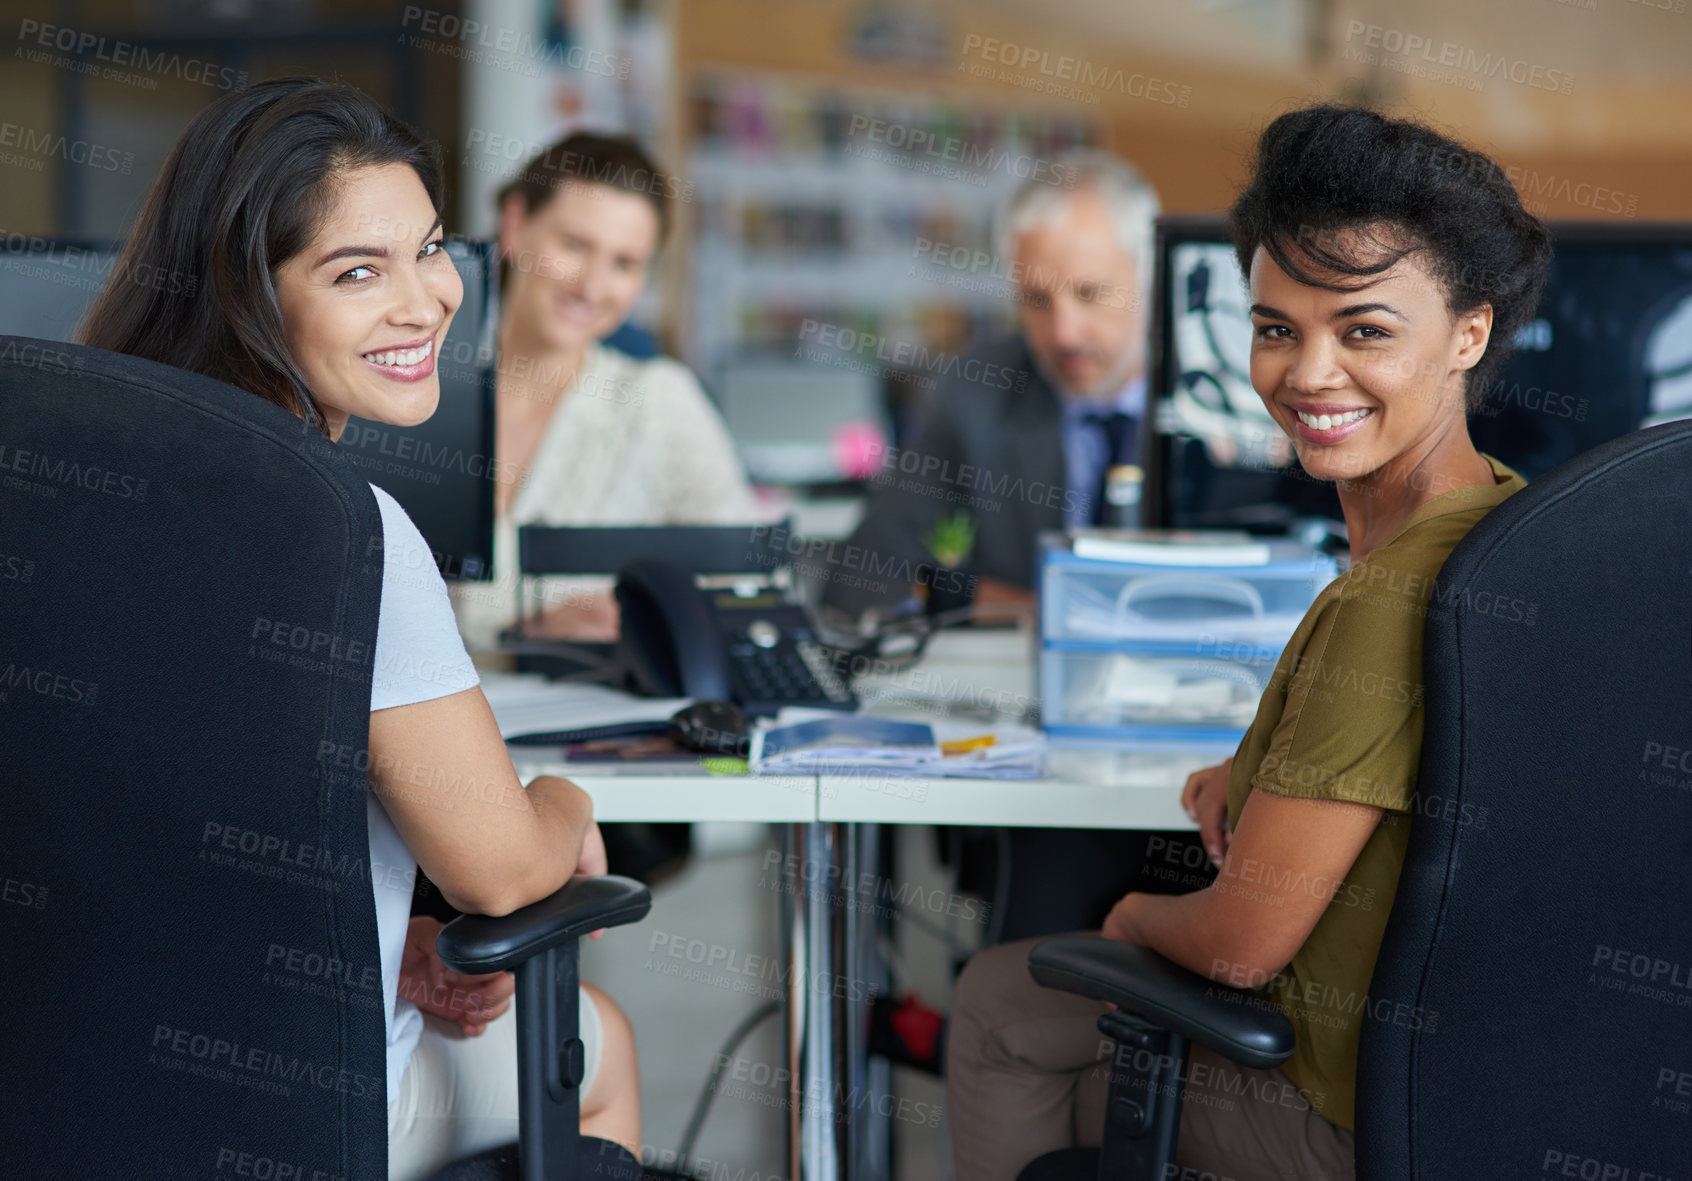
[{"x": 711, "y": 727}]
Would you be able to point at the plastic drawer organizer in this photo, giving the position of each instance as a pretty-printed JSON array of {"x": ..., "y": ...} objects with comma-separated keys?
[{"x": 1168, "y": 652}]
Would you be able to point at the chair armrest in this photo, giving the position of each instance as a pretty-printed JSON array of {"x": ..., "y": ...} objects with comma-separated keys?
[
  {"x": 479, "y": 943},
  {"x": 1240, "y": 1025}
]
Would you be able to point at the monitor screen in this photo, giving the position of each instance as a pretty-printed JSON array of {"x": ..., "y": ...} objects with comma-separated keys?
[
  {"x": 1610, "y": 351},
  {"x": 440, "y": 471},
  {"x": 46, "y": 284},
  {"x": 787, "y": 416}
]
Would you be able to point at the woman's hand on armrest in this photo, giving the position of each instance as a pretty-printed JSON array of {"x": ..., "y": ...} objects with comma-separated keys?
[
  {"x": 442, "y": 773},
  {"x": 592, "y": 863},
  {"x": 1281, "y": 871}
]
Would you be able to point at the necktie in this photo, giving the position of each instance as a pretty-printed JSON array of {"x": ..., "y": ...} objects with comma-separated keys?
[{"x": 1119, "y": 433}]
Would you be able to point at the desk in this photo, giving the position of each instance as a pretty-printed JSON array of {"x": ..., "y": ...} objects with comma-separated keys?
[
  {"x": 828, "y": 827},
  {"x": 688, "y": 793},
  {"x": 1012, "y": 803},
  {"x": 980, "y": 672},
  {"x": 991, "y": 672}
]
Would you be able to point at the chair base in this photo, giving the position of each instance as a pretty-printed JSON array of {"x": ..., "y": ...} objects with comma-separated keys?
[
  {"x": 1066, "y": 1164},
  {"x": 598, "y": 1160}
]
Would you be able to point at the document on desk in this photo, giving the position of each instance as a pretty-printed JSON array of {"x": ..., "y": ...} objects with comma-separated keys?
[
  {"x": 824, "y": 742},
  {"x": 533, "y": 710},
  {"x": 1169, "y": 547}
]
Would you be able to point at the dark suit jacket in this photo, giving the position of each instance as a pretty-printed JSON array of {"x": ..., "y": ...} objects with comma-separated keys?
[{"x": 989, "y": 441}]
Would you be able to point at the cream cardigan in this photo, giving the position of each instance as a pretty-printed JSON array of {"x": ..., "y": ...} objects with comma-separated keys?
[{"x": 633, "y": 442}]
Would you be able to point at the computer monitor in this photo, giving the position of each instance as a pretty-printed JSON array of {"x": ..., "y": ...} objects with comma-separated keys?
[
  {"x": 1610, "y": 351},
  {"x": 46, "y": 284},
  {"x": 440, "y": 471},
  {"x": 785, "y": 416}
]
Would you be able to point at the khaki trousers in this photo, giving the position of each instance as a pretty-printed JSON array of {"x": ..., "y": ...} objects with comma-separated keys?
[{"x": 1027, "y": 1071}]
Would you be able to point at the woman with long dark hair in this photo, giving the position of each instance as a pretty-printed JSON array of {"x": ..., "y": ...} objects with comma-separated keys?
[
  {"x": 1390, "y": 269},
  {"x": 302, "y": 221}
]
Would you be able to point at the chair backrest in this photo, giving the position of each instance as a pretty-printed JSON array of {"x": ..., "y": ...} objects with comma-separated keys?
[
  {"x": 1532, "y": 1002},
  {"x": 189, "y": 587}
]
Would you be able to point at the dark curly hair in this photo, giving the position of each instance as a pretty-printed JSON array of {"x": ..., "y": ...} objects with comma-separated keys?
[{"x": 1339, "y": 190}]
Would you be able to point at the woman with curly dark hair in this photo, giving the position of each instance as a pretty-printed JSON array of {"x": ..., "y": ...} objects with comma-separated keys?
[{"x": 1389, "y": 270}]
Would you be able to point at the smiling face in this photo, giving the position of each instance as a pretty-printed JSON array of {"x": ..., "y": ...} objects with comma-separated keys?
[
  {"x": 1361, "y": 377},
  {"x": 366, "y": 305},
  {"x": 578, "y": 263},
  {"x": 1078, "y": 300}
]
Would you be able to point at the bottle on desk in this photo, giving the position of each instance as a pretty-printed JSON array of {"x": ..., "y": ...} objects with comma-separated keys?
[{"x": 1122, "y": 485}]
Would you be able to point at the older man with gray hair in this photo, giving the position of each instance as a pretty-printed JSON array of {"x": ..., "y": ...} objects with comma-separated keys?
[{"x": 1021, "y": 436}]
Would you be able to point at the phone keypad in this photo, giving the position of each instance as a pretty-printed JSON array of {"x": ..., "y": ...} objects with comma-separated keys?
[
  {"x": 823, "y": 670},
  {"x": 794, "y": 673}
]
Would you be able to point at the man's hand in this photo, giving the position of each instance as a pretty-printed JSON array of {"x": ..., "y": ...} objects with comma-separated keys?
[
  {"x": 1002, "y": 598},
  {"x": 1205, "y": 799},
  {"x": 426, "y": 982}
]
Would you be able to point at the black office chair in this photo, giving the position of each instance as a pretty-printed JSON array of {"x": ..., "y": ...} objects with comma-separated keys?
[
  {"x": 1544, "y": 912},
  {"x": 189, "y": 588}
]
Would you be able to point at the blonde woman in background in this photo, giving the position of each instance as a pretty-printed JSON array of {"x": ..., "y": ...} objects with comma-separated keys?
[{"x": 587, "y": 435}]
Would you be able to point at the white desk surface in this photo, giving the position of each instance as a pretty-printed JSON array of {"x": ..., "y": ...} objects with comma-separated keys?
[
  {"x": 977, "y": 668},
  {"x": 682, "y": 795},
  {"x": 984, "y": 669},
  {"x": 1018, "y": 803}
]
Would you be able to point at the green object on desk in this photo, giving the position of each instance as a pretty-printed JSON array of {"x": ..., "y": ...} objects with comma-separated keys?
[
  {"x": 725, "y": 766},
  {"x": 952, "y": 539}
]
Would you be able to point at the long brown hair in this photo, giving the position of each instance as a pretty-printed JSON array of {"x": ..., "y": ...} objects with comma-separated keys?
[{"x": 242, "y": 192}]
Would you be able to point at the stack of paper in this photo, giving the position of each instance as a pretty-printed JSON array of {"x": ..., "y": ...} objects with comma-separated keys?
[
  {"x": 818, "y": 742},
  {"x": 1169, "y": 547},
  {"x": 531, "y": 709}
]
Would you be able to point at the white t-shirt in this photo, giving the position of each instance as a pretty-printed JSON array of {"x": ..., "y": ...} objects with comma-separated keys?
[{"x": 418, "y": 657}]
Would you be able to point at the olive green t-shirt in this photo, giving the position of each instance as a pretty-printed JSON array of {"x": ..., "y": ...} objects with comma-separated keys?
[{"x": 1341, "y": 719}]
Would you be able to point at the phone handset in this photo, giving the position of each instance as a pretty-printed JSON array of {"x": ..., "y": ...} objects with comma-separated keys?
[
  {"x": 753, "y": 648},
  {"x": 671, "y": 641}
]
